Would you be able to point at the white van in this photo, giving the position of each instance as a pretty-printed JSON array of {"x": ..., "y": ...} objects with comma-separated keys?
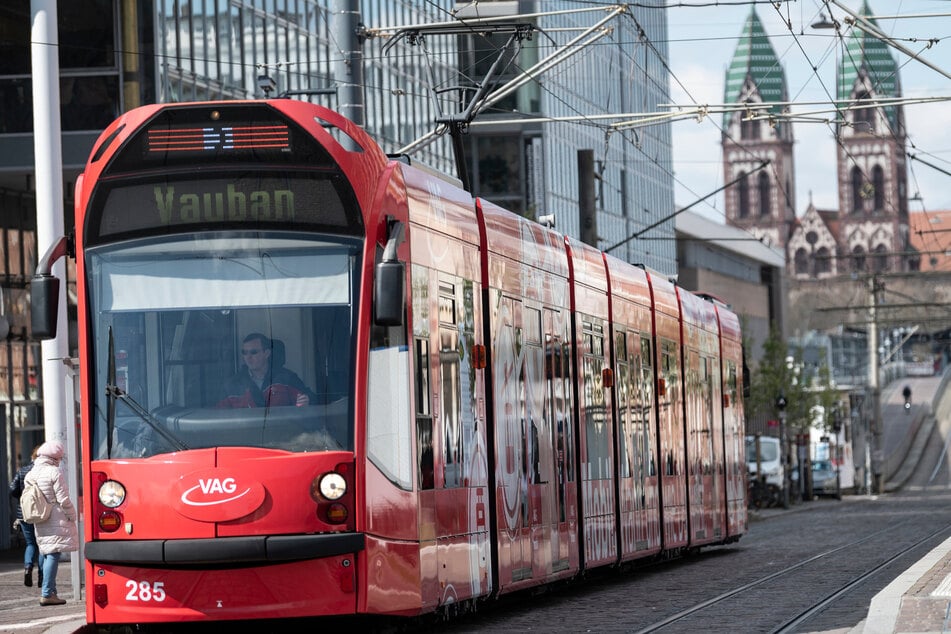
[{"x": 769, "y": 459}]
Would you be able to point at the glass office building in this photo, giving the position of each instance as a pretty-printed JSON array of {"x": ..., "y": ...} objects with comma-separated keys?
[{"x": 617, "y": 67}]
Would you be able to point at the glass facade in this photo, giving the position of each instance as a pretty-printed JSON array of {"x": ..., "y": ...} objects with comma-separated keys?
[
  {"x": 89, "y": 65},
  {"x": 218, "y": 49},
  {"x": 533, "y": 168}
]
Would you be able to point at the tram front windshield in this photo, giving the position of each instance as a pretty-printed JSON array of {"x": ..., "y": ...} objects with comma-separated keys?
[{"x": 232, "y": 339}]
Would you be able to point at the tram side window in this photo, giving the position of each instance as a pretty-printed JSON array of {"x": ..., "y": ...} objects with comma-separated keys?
[
  {"x": 731, "y": 382},
  {"x": 596, "y": 429},
  {"x": 668, "y": 369},
  {"x": 624, "y": 392},
  {"x": 449, "y": 361},
  {"x": 557, "y": 357},
  {"x": 646, "y": 401},
  {"x": 424, "y": 417},
  {"x": 534, "y": 395},
  {"x": 706, "y": 407}
]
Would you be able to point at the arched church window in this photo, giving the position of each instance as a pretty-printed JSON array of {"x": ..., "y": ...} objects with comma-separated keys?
[
  {"x": 823, "y": 260},
  {"x": 801, "y": 260},
  {"x": 749, "y": 129},
  {"x": 878, "y": 183},
  {"x": 881, "y": 258},
  {"x": 764, "y": 194},
  {"x": 856, "y": 190},
  {"x": 858, "y": 259},
  {"x": 744, "y": 195},
  {"x": 863, "y": 119}
]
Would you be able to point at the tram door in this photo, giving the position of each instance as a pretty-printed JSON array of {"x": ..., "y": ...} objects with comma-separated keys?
[
  {"x": 534, "y": 442},
  {"x": 713, "y": 476},
  {"x": 597, "y": 458},
  {"x": 671, "y": 440},
  {"x": 513, "y": 438},
  {"x": 640, "y": 530}
]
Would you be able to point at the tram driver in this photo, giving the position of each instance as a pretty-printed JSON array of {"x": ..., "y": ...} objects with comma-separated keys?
[{"x": 263, "y": 381}]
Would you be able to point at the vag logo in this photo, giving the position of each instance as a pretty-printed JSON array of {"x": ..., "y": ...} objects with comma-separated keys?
[
  {"x": 215, "y": 495},
  {"x": 213, "y": 485},
  {"x": 218, "y": 486}
]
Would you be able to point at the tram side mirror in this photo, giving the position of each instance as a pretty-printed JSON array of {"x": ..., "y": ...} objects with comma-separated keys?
[
  {"x": 44, "y": 300},
  {"x": 389, "y": 293}
]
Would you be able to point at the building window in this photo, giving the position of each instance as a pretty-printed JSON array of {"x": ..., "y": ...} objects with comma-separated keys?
[
  {"x": 801, "y": 262},
  {"x": 88, "y": 103},
  {"x": 823, "y": 261},
  {"x": 878, "y": 182},
  {"x": 89, "y": 66},
  {"x": 764, "y": 194},
  {"x": 497, "y": 169},
  {"x": 863, "y": 119},
  {"x": 856, "y": 190},
  {"x": 744, "y": 194},
  {"x": 880, "y": 260},
  {"x": 749, "y": 129},
  {"x": 858, "y": 259}
]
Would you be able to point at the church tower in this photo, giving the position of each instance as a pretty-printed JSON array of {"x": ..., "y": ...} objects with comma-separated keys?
[
  {"x": 763, "y": 199},
  {"x": 873, "y": 193}
]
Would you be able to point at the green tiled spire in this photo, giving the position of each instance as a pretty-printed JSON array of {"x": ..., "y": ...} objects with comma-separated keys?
[
  {"x": 756, "y": 59},
  {"x": 863, "y": 51}
]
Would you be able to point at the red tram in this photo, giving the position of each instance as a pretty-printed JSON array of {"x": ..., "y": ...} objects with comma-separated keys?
[{"x": 455, "y": 402}]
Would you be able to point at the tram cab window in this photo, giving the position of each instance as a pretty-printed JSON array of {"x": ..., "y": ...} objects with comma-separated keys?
[{"x": 176, "y": 328}]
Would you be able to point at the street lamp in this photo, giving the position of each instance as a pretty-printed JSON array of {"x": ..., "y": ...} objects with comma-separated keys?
[{"x": 825, "y": 22}]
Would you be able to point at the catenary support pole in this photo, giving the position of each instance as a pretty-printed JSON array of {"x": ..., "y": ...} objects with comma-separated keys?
[
  {"x": 47, "y": 147},
  {"x": 348, "y": 32},
  {"x": 58, "y": 410}
]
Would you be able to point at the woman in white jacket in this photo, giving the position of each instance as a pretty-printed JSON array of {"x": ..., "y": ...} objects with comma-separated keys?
[{"x": 58, "y": 534}]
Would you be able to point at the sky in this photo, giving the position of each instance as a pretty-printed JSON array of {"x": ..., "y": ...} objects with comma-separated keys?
[{"x": 703, "y": 39}]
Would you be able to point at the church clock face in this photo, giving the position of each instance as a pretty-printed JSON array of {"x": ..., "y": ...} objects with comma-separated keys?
[{"x": 867, "y": 191}]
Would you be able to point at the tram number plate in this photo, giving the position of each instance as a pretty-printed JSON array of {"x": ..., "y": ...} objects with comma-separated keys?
[{"x": 145, "y": 591}]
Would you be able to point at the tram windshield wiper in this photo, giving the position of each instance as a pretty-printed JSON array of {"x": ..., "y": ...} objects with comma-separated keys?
[{"x": 116, "y": 393}]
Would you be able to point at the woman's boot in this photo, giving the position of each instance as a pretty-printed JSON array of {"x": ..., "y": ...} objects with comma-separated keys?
[{"x": 28, "y": 576}]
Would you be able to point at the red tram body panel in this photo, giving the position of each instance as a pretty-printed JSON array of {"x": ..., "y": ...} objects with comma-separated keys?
[{"x": 320, "y": 381}]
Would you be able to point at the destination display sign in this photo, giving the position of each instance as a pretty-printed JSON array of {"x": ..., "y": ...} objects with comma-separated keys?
[
  {"x": 249, "y": 198},
  {"x": 218, "y": 134}
]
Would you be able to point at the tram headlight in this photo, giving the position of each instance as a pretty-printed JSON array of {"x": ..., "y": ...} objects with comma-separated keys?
[
  {"x": 111, "y": 494},
  {"x": 332, "y": 486}
]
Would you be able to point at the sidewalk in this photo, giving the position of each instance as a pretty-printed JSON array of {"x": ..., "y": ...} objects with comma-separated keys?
[
  {"x": 20, "y": 609},
  {"x": 919, "y": 599}
]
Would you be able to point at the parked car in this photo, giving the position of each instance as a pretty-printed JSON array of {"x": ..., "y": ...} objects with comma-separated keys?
[
  {"x": 769, "y": 460},
  {"x": 825, "y": 480}
]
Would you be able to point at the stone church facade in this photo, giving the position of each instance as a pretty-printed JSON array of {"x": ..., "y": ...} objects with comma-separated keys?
[{"x": 868, "y": 233}]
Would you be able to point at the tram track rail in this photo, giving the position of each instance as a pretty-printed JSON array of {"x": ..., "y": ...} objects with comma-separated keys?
[
  {"x": 803, "y": 616},
  {"x": 790, "y": 625}
]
